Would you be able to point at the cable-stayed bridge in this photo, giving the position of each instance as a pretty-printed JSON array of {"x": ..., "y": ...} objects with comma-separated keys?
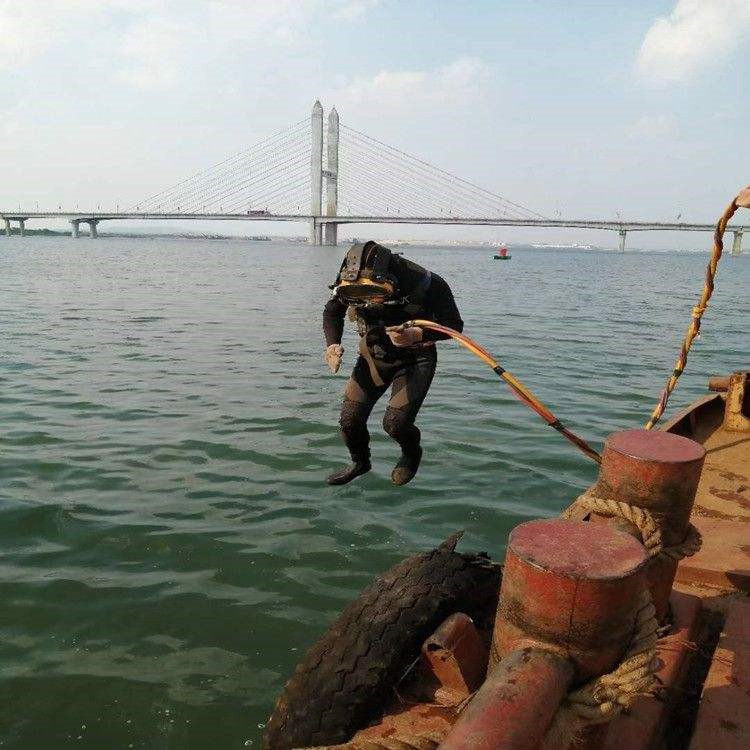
[{"x": 333, "y": 175}]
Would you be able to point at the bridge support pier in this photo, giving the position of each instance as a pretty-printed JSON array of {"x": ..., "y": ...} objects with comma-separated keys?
[
  {"x": 22, "y": 227},
  {"x": 316, "y": 232},
  {"x": 93, "y": 233},
  {"x": 331, "y": 232},
  {"x": 7, "y": 227},
  {"x": 737, "y": 244},
  {"x": 623, "y": 235},
  {"x": 75, "y": 227}
]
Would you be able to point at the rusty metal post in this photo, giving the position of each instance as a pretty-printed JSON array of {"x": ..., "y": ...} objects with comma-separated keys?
[
  {"x": 737, "y": 409},
  {"x": 718, "y": 383},
  {"x": 660, "y": 472},
  {"x": 516, "y": 704},
  {"x": 568, "y": 606},
  {"x": 456, "y": 656}
]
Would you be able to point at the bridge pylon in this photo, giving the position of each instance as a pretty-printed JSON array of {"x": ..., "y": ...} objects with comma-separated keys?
[
  {"x": 316, "y": 173},
  {"x": 320, "y": 234},
  {"x": 332, "y": 177}
]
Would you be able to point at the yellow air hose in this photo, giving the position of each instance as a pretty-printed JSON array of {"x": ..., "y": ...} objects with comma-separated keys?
[
  {"x": 741, "y": 201},
  {"x": 518, "y": 388}
]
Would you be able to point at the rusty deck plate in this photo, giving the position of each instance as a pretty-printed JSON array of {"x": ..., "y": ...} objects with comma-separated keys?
[{"x": 722, "y": 509}]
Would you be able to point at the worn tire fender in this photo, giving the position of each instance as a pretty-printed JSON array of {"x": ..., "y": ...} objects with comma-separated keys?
[{"x": 346, "y": 678}]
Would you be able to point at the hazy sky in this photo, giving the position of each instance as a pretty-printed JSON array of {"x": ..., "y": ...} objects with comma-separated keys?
[{"x": 587, "y": 108}]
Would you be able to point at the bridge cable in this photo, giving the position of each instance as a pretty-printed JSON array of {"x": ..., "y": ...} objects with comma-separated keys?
[
  {"x": 222, "y": 184},
  {"x": 442, "y": 171},
  {"x": 424, "y": 170},
  {"x": 371, "y": 194},
  {"x": 227, "y": 165},
  {"x": 461, "y": 206},
  {"x": 228, "y": 189},
  {"x": 432, "y": 181},
  {"x": 248, "y": 181},
  {"x": 402, "y": 192},
  {"x": 400, "y": 177}
]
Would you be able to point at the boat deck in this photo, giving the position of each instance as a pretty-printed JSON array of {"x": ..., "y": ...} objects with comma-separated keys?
[
  {"x": 722, "y": 504},
  {"x": 705, "y": 660},
  {"x": 719, "y": 576}
]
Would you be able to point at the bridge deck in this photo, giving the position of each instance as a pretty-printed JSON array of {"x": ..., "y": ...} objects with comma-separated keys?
[{"x": 616, "y": 226}]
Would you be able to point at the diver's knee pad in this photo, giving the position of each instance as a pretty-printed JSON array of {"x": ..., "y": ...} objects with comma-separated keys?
[{"x": 352, "y": 416}]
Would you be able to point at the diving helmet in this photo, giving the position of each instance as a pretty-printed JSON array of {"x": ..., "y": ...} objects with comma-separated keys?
[{"x": 364, "y": 276}]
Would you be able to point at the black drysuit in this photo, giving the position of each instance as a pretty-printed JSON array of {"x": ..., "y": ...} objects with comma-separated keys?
[{"x": 407, "y": 370}]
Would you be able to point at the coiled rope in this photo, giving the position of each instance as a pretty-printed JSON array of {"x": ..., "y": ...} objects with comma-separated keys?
[
  {"x": 519, "y": 389},
  {"x": 643, "y": 520},
  {"x": 741, "y": 201},
  {"x": 604, "y": 697}
]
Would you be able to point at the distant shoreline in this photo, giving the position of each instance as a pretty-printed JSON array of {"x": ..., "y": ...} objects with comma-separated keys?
[
  {"x": 303, "y": 240},
  {"x": 487, "y": 245}
]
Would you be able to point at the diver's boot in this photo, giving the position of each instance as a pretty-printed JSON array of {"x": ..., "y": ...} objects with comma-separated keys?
[
  {"x": 352, "y": 471},
  {"x": 407, "y": 467}
]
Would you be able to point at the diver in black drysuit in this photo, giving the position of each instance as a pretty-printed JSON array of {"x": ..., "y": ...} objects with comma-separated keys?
[{"x": 404, "y": 360}]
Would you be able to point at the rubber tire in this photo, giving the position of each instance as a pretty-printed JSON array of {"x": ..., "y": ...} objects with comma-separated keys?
[{"x": 347, "y": 677}]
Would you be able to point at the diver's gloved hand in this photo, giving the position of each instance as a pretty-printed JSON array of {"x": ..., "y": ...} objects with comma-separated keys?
[
  {"x": 333, "y": 356},
  {"x": 405, "y": 337}
]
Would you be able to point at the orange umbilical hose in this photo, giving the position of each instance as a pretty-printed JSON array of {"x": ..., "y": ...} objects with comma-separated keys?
[{"x": 519, "y": 389}]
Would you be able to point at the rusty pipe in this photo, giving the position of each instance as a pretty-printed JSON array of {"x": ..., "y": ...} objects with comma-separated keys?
[{"x": 516, "y": 704}]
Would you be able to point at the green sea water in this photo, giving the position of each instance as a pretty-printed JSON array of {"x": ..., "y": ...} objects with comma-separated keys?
[{"x": 168, "y": 549}]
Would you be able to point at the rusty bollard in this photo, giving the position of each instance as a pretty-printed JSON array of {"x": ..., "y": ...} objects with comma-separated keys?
[
  {"x": 660, "y": 472},
  {"x": 568, "y": 605}
]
